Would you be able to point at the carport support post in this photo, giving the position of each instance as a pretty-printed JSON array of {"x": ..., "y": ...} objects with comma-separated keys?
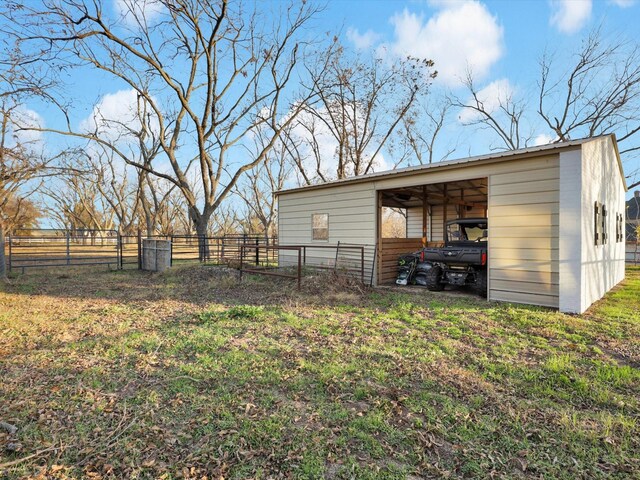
[
  {"x": 424, "y": 216},
  {"x": 444, "y": 214}
]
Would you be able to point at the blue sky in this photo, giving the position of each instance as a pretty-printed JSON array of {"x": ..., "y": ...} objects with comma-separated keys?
[{"x": 500, "y": 40}]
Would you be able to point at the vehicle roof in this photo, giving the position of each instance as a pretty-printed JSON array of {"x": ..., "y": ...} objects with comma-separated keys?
[{"x": 468, "y": 220}]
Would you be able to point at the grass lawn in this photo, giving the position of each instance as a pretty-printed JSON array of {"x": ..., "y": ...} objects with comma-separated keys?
[{"x": 188, "y": 375}]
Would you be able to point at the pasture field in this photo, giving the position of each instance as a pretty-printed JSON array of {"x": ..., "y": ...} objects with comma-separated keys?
[{"x": 188, "y": 374}]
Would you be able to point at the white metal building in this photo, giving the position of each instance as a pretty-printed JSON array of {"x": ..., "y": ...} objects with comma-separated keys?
[{"x": 556, "y": 217}]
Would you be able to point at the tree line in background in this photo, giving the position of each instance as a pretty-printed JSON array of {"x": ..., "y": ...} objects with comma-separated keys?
[{"x": 229, "y": 103}]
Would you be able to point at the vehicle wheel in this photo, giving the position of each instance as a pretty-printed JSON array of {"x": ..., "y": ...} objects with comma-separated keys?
[
  {"x": 481, "y": 283},
  {"x": 433, "y": 280}
]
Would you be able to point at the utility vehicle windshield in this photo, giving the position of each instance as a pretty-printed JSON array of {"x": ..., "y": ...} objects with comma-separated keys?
[{"x": 467, "y": 232}]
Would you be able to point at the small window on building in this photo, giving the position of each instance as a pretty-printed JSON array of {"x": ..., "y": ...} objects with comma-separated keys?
[
  {"x": 320, "y": 226},
  {"x": 603, "y": 214},
  {"x": 619, "y": 228},
  {"x": 596, "y": 223},
  {"x": 600, "y": 223}
]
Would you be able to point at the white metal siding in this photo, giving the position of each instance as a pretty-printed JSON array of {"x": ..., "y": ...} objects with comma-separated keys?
[
  {"x": 570, "y": 243},
  {"x": 603, "y": 265}
]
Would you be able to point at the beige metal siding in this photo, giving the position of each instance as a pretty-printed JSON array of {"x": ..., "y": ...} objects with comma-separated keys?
[
  {"x": 523, "y": 226},
  {"x": 351, "y": 210},
  {"x": 414, "y": 222},
  {"x": 352, "y": 219},
  {"x": 523, "y": 220},
  {"x": 437, "y": 230}
]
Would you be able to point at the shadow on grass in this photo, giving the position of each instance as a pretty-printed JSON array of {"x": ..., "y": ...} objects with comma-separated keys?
[{"x": 144, "y": 375}]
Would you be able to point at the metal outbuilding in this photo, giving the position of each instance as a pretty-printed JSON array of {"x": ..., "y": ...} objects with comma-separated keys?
[{"x": 555, "y": 212}]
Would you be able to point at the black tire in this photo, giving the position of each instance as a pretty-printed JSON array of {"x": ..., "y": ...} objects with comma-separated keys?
[
  {"x": 481, "y": 283},
  {"x": 433, "y": 280}
]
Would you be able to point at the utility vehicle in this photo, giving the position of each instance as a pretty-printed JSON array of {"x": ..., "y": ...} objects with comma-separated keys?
[{"x": 462, "y": 260}]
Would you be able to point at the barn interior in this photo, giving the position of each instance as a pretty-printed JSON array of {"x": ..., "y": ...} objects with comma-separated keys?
[{"x": 426, "y": 210}]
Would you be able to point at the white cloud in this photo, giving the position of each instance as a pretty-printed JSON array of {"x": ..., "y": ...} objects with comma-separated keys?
[
  {"x": 461, "y": 36},
  {"x": 492, "y": 96},
  {"x": 115, "y": 115},
  {"x": 150, "y": 10},
  {"x": 569, "y": 16},
  {"x": 543, "y": 139},
  {"x": 623, "y": 3},
  {"x": 362, "y": 41},
  {"x": 21, "y": 118},
  {"x": 443, "y": 3},
  {"x": 324, "y": 144},
  {"x": 380, "y": 164}
]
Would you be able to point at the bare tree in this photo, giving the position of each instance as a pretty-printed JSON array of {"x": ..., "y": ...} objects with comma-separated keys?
[
  {"x": 394, "y": 222},
  {"x": 20, "y": 160},
  {"x": 498, "y": 111},
  {"x": 108, "y": 184},
  {"x": 225, "y": 221},
  {"x": 257, "y": 189},
  {"x": 362, "y": 103},
  {"x": 599, "y": 93},
  {"x": 19, "y": 213},
  {"x": 164, "y": 209},
  {"x": 422, "y": 129},
  {"x": 210, "y": 73},
  {"x": 75, "y": 203}
]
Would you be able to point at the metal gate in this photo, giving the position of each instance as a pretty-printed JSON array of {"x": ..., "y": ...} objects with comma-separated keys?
[
  {"x": 38, "y": 248},
  {"x": 63, "y": 248}
]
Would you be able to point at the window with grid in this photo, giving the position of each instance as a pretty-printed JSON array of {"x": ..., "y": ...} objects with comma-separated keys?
[{"x": 320, "y": 226}]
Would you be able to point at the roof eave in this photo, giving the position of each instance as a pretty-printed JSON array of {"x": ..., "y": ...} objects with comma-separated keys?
[{"x": 449, "y": 165}]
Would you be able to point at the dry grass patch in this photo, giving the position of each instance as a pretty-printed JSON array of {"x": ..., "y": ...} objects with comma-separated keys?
[{"x": 189, "y": 374}]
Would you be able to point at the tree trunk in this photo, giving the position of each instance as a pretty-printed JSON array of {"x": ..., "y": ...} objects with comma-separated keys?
[
  {"x": 149, "y": 222},
  {"x": 3, "y": 262},
  {"x": 204, "y": 252}
]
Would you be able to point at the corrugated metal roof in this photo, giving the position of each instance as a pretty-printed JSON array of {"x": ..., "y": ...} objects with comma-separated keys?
[{"x": 500, "y": 156}]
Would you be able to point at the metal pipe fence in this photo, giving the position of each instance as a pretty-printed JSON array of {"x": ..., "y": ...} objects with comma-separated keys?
[
  {"x": 251, "y": 263},
  {"x": 57, "y": 248},
  {"x": 66, "y": 248},
  {"x": 632, "y": 253},
  {"x": 281, "y": 260},
  {"x": 249, "y": 253}
]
